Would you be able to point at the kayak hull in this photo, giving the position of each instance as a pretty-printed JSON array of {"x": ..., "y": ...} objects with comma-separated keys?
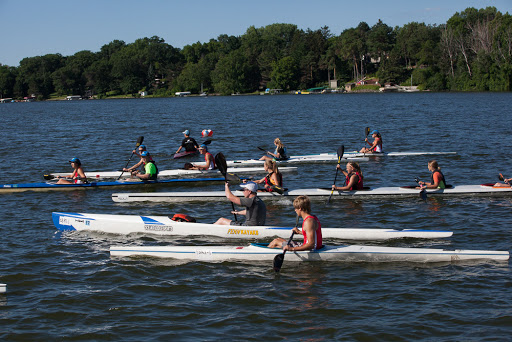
[
  {"x": 49, "y": 186},
  {"x": 163, "y": 225},
  {"x": 178, "y": 172},
  {"x": 472, "y": 190},
  {"x": 185, "y": 154},
  {"x": 348, "y": 253},
  {"x": 329, "y": 157}
]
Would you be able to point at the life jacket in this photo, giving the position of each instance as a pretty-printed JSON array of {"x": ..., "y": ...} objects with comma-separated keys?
[
  {"x": 156, "y": 167},
  {"x": 77, "y": 179},
  {"x": 212, "y": 165},
  {"x": 317, "y": 235},
  {"x": 378, "y": 147},
  {"x": 359, "y": 184},
  {"x": 268, "y": 181},
  {"x": 183, "y": 218},
  {"x": 442, "y": 183}
]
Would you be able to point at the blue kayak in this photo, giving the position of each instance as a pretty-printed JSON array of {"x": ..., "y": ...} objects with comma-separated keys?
[{"x": 46, "y": 186}]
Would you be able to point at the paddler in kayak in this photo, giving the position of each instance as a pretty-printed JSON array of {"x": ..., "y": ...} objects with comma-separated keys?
[
  {"x": 78, "y": 175},
  {"x": 437, "y": 180},
  {"x": 208, "y": 158},
  {"x": 273, "y": 178},
  {"x": 353, "y": 177},
  {"x": 376, "y": 146},
  {"x": 255, "y": 209},
  {"x": 507, "y": 183},
  {"x": 150, "y": 169},
  {"x": 279, "y": 153},
  {"x": 311, "y": 229},
  {"x": 141, "y": 148},
  {"x": 188, "y": 143}
]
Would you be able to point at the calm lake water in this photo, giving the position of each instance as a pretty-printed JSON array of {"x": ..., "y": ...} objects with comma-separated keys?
[{"x": 65, "y": 286}]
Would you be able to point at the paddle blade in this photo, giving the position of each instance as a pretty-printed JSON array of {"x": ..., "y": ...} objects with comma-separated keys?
[
  {"x": 48, "y": 177},
  {"x": 262, "y": 149},
  {"x": 423, "y": 194},
  {"x": 340, "y": 151},
  {"x": 278, "y": 189},
  {"x": 207, "y": 142},
  {"x": 139, "y": 141},
  {"x": 500, "y": 177},
  {"x": 188, "y": 166},
  {"x": 278, "y": 262},
  {"x": 232, "y": 179},
  {"x": 220, "y": 161},
  {"x": 366, "y": 131}
]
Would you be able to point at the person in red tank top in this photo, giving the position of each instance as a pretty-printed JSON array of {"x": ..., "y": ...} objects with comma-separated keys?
[
  {"x": 354, "y": 178},
  {"x": 311, "y": 229}
]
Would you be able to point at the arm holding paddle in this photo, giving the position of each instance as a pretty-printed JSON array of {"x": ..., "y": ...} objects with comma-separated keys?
[{"x": 506, "y": 180}]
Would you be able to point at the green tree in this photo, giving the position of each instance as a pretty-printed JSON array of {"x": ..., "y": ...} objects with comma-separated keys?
[{"x": 284, "y": 74}]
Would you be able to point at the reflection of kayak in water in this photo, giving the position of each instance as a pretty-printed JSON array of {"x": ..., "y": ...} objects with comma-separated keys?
[{"x": 185, "y": 154}]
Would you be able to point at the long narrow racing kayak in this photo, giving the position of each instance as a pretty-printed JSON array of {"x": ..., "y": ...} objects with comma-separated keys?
[
  {"x": 3, "y": 288},
  {"x": 163, "y": 225},
  {"x": 329, "y": 157},
  {"x": 313, "y": 158},
  {"x": 407, "y": 191},
  {"x": 344, "y": 253},
  {"x": 50, "y": 186},
  {"x": 176, "y": 172}
]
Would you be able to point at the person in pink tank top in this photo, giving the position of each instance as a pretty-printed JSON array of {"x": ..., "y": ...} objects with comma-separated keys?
[{"x": 311, "y": 229}]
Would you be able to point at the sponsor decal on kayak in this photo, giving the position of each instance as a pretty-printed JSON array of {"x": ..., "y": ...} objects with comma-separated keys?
[
  {"x": 64, "y": 221},
  {"x": 158, "y": 227},
  {"x": 242, "y": 232},
  {"x": 203, "y": 253}
]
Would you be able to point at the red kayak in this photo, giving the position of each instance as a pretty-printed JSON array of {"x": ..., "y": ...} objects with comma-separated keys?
[{"x": 185, "y": 154}]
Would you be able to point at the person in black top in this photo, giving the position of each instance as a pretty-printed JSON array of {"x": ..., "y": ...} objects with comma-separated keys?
[{"x": 188, "y": 143}]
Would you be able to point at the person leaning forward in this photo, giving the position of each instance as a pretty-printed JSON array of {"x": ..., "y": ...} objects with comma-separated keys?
[{"x": 255, "y": 210}]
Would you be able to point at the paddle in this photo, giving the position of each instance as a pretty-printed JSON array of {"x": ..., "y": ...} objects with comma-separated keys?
[
  {"x": 501, "y": 178},
  {"x": 220, "y": 161},
  {"x": 278, "y": 259},
  {"x": 139, "y": 142},
  {"x": 423, "y": 192},
  {"x": 340, "y": 152},
  {"x": 366, "y": 132}
]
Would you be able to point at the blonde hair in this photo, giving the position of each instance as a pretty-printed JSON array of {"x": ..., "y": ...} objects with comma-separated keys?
[
  {"x": 271, "y": 165},
  {"x": 356, "y": 167},
  {"x": 278, "y": 142},
  {"x": 434, "y": 164},
  {"x": 303, "y": 203}
]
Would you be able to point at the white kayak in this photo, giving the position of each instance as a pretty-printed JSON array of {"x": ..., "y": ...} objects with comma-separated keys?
[
  {"x": 329, "y": 157},
  {"x": 345, "y": 253},
  {"x": 163, "y": 225},
  {"x": 321, "y": 193},
  {"x": 313, "y": 158},
  {"x": 174, "y": 172},
  {"x": 3, "y": 288}
]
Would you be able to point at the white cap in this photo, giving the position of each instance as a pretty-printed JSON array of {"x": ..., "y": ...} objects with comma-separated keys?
[
  {"x": 186, "y": 132},
  {"x": 253, "y": 187}
]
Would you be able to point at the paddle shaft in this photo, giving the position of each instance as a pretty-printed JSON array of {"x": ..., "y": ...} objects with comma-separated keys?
[
  {"x": 139, "y": 142},
  {"x": 220, "y": 161},
  {"x": 279, "y": 259},
  {"x": 341, "y": 151}
]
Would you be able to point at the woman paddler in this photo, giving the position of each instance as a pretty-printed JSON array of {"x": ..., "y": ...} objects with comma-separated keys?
[
  {"x": 279, "y": 153},
  {"x": 437, "y": 180},
  {"x": 353, "y": 178},
  {"x": 311, "y": 229},
  {"x": 208, "y": 158},
  {"x": 273, "y": 178},
  {"x": 78, "y": 175},
  {"x": 376, "y": 146}
]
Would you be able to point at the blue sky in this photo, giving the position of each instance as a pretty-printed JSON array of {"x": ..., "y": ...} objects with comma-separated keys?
[{"x": 34, "y": 28}]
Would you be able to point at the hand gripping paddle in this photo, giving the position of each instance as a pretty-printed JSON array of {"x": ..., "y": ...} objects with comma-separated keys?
[
  {"x": 139, "y": 142},
  {"x": 279, "y": 259},
  {"x": 220, "y": 162},
  {"x": 340, "y": 152}
]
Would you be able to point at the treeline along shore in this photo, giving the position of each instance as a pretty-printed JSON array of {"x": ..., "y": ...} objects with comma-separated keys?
[{"x": 472, "y": 51}]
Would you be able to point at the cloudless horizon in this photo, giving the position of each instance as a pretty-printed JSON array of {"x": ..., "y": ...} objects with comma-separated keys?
[{"x": 35, "y": 28}]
